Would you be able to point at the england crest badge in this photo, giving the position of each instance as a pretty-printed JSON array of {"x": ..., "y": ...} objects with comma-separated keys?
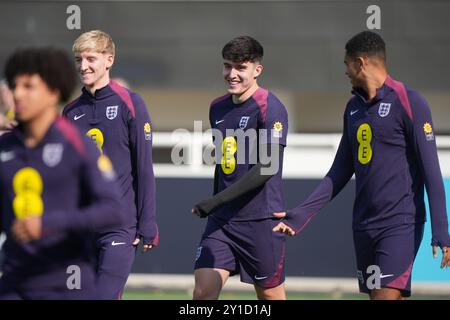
[
  {"x": 384, "y": 109},
  {"x": 52, "y": 154},
  {"x": 243, "y": 123},
  {"x": 111, "y": 112}
]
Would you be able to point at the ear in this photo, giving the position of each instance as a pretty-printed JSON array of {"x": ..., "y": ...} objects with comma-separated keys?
[
  {"x": 109, "y": 61},
  {"x": 361, "y": 63},
  {"x": 258, "y": 70}
]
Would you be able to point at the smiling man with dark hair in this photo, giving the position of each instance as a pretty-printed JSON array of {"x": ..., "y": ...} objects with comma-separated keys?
[
  {"x": 237, "y": 238},
  {"x": 388, "y": 142}
]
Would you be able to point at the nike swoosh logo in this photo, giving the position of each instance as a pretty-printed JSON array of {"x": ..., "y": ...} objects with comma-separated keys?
[
  {"x": 6, "y": 156},
  {"x": 353, "y": 112},
  {"x": 78, "y": 117},
  {"x": 260, "y": 278},
  {"x": 117, "y": 243},
  {"x": 386, "y": 275},
  {"x": 217, "y": 122}
]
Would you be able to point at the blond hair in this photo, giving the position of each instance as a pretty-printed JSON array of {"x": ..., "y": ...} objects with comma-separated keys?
[{"x": 95, "y": 40}]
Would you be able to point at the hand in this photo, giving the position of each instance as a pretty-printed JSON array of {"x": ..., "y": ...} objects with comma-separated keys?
[
  {"x": 445, "y": 256},
  {"x": 281, "y": 226},
  {"x": 28, "y": 229},
  {"x": 11, "y": 125},
  {"x": 145, "y": 247},
  {"x": 197, "y": 211}
]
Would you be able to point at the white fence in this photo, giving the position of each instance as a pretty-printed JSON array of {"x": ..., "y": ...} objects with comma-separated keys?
[
  {"x": 306, "y": 155},
  {"x": 334, "y": 286}
]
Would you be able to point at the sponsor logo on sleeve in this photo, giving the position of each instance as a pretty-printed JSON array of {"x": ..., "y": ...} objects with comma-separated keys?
[
  {"x": 147, "y": 131},
  {"x": 277, "y": 130},
  {"x": 428, "y": 130}
]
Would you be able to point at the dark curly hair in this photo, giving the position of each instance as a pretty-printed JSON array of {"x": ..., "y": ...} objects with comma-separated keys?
[
  {"x": 243, "y": 49},
  {"x": 53, "y": 65},
  {"x": 366, "y": 43}
]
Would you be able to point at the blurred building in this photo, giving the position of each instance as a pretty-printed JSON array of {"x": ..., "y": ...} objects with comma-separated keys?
[{"x": 170, "y": 52}]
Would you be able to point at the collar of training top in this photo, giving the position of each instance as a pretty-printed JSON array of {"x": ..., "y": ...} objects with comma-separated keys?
[
  {"x": 101, "y": 93},
  {"x": 381, "y": 92}
]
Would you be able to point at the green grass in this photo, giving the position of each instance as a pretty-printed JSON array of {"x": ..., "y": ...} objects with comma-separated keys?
[{"x": 183, "y": 295}]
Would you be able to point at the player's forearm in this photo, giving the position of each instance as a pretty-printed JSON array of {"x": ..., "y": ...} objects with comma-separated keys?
[
  {"x": 437, "y": 204},
  {"x": 337, "y": 177},
  {"x": 440, "y": 235},
  {"x": 142, "y": 137},
  {"x": 250, "y": 181},
  {"x": 341, "y": 170},
  {"x": 299, "y": 217},
  {"x": 421, "y": 131},
  {"x": 439, "y": 220},
  {"x": 429, "y": 162},
  {"x": 106, "y": 213},
  {"x": 146, "y": 195},
  {"x": 148, "y": 231},
  {"x": 254, "y": 178},
  {"x": 147, "y": 226}
]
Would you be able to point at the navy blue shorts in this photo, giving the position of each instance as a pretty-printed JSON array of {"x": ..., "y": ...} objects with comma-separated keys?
[
  {"x": 116, "y": 255},
  {"x": 52, "y": 285},
  {"x": 385, "y": 257},
  {"x": 249, "y": 248}
]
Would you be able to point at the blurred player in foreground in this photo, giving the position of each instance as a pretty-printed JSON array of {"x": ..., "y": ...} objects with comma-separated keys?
[{"x": 56, "y": 188}]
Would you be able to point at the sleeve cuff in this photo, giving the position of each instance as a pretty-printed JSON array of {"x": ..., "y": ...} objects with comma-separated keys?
[{"x": 296, "y": 221}]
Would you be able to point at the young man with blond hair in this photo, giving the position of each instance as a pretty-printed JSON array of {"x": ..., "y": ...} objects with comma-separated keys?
[{"x": 118, "y": 122}]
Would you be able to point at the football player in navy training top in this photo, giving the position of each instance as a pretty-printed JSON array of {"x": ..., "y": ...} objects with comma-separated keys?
[
  {"x": 250, "y": 126},
  {"x": 389, "y": 144},
  {"x": 117, "y": 120},
  {"x": 56, "y": 188}
]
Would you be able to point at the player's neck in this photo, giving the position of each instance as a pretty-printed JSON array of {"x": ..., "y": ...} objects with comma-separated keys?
[
  {"x": 238, "y": 99},
  {"x": 373, "y": 83},
  {"x": 102, "y": 82},
  {"x": 35, "y": 130}
]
